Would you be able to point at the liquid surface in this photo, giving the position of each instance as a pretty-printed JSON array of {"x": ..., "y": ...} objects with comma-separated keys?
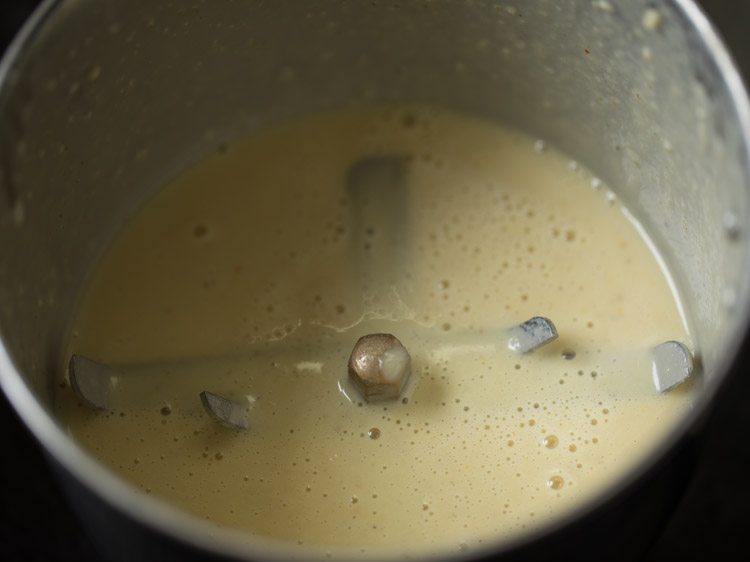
[{"x": 254, "y": 274}]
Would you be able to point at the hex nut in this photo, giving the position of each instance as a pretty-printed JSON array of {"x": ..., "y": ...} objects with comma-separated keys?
[{"x": 379, "y": 367}]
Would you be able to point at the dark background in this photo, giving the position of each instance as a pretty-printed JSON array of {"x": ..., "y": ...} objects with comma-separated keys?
[{"x": 712, "y": 521}]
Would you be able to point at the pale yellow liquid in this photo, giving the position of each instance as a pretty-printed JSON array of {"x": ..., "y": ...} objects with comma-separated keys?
[{"x": 246, "y": 277}]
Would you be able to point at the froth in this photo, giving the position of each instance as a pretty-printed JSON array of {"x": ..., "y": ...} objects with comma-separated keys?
[{"x": 245, "y": 272}]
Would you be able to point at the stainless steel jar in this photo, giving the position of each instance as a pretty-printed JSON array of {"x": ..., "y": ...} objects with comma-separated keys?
[{"x": 102, "y": 102}]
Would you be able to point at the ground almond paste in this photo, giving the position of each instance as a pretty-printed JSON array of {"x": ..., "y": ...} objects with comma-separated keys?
[{"x": 248, "y": 277}]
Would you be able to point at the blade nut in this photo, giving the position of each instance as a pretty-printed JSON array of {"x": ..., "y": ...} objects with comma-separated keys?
[{"x": 379, "y": 367}]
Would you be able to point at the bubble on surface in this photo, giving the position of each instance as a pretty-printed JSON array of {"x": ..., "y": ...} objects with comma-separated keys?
[
  {"x": 555, "y": 482},
  {"x": 652, "y": 19},
  {"x": 94, "y": 72}
]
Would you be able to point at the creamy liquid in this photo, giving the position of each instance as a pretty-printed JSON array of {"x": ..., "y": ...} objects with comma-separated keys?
[{"x": 251, "y": 276}]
